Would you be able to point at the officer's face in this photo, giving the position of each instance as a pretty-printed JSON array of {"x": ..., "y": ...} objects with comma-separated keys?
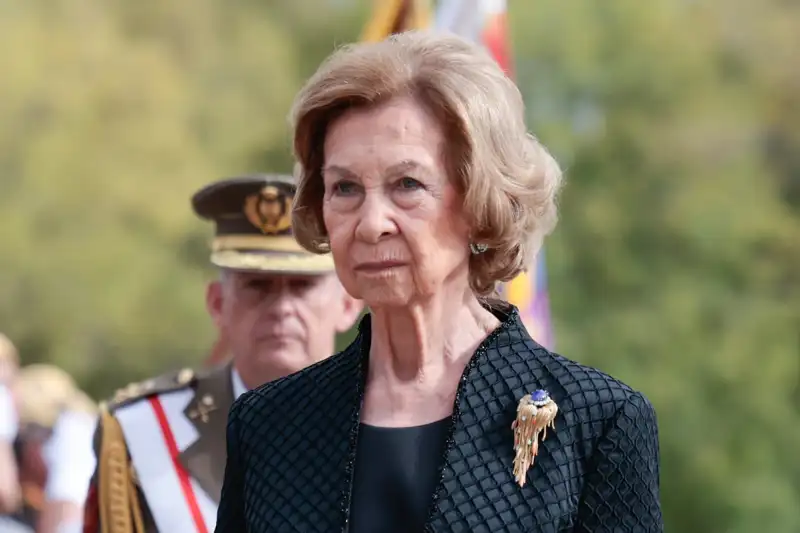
[{"x": 279, "y": 324}]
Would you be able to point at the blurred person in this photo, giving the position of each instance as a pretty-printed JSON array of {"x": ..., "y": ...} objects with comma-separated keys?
[
  {"x": 9, "y": 425},
  {"x": 277, "y": 308},
  {"x": 70, "y": 464},
  {"x": 9, "y": 488},
  {"x": 9, "y": 360},
  {"x": 42, "y": 393},
  {"x": 418, "y": 174}
]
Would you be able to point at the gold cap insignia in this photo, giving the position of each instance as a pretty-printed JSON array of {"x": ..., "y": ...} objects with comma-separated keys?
[{"x": 270, "y": 210}]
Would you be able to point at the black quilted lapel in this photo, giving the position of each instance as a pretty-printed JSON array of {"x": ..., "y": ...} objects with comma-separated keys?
[
  {"x": 598, "y": 471},
  {"x": 310, "y": 460},
  {"x": 477, "y": 492},
  {"x": 301, "y": 453}
]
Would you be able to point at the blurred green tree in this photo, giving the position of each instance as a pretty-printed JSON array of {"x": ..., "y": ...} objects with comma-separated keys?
[
  {"x": 675, "y": 264},
  {"x": 113, "y": 113}
]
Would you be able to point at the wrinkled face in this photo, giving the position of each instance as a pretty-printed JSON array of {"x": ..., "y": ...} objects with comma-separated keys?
[
  {"x": 279, "y": 324},
  {"x": 392, "y": 214}
]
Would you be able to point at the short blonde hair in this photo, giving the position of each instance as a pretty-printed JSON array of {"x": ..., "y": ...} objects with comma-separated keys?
[
  {"x": 45, "y": 391},
  {"x": 508, "y": 180}
]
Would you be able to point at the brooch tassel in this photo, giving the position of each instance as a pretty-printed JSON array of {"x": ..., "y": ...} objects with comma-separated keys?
[{"x": 535, "y": 413}]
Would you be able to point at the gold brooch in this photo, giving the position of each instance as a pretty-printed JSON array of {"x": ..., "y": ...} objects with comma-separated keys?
[
  {"x": 535, "y": 413},
  {"x": 270, "y": 210}
]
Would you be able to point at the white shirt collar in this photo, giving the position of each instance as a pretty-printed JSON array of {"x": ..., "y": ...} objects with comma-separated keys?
[{"x": 239, "y": 387}]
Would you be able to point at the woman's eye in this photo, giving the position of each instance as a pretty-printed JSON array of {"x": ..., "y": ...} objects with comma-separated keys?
[
  {"x": 344, "y": 188},
  {"x": 409, "y": 183}
]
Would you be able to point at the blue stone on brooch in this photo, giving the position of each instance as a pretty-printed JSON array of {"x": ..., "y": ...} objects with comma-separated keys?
[{"x": 540, "y": 398}]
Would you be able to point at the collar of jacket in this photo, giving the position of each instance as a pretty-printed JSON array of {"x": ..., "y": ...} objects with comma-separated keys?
[{"x": 309, "y": 470}]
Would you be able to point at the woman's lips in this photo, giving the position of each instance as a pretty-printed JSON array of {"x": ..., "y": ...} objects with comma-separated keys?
[{"x": 378, "y": 266}]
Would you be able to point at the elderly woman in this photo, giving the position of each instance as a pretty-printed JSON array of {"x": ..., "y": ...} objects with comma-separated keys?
[{"x": 416, "y": 172}]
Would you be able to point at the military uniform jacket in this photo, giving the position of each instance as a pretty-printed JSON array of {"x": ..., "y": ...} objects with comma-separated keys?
[
  {"x": 173, "y": 455},
  {"x": 598, "y": 472}
]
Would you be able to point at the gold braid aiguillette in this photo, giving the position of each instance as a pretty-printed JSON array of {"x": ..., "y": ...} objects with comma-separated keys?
[{"x": 535, "y": 413}]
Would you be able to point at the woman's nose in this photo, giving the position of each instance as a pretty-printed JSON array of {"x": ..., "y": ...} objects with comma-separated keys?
[{"x": 375, "y": 219}]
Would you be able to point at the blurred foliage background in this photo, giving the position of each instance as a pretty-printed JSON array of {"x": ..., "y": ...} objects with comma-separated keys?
[{"x": 675, "y": 267}]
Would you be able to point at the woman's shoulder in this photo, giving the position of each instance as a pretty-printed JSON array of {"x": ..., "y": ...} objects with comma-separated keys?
[
  {"x": 583, "y": 393},
  {"x": 526, "y": 366},
  {"x": 588, "y": 390},
  {"x": 591, "y": 403}
]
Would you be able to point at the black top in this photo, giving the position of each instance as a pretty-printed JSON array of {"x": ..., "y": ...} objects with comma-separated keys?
[
  {"x": 395, "y": 473},
  {"x": 293, "y": 446}
]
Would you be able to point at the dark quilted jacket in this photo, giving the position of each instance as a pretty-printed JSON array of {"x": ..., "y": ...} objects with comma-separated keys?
[{"x": 291, "y": 446}]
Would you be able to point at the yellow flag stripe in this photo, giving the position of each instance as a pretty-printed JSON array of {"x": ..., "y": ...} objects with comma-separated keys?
[
  {"x": 420, "y": 14},
  {"x": 396, "y": 16},
  {"x": 384, "y": 19}
]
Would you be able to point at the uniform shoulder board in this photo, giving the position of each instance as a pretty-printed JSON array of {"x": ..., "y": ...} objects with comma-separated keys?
[{"x": 150, "y": 387}]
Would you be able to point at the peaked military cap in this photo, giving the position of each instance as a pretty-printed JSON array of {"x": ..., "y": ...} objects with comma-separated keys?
[{"x": 253, "y": 219}]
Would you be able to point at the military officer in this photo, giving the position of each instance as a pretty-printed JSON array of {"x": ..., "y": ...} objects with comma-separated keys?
[
  {"x": 161, "y": 444},
  {"x": 44, "y": 394},
  {"x": 70, "y": 463}
]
